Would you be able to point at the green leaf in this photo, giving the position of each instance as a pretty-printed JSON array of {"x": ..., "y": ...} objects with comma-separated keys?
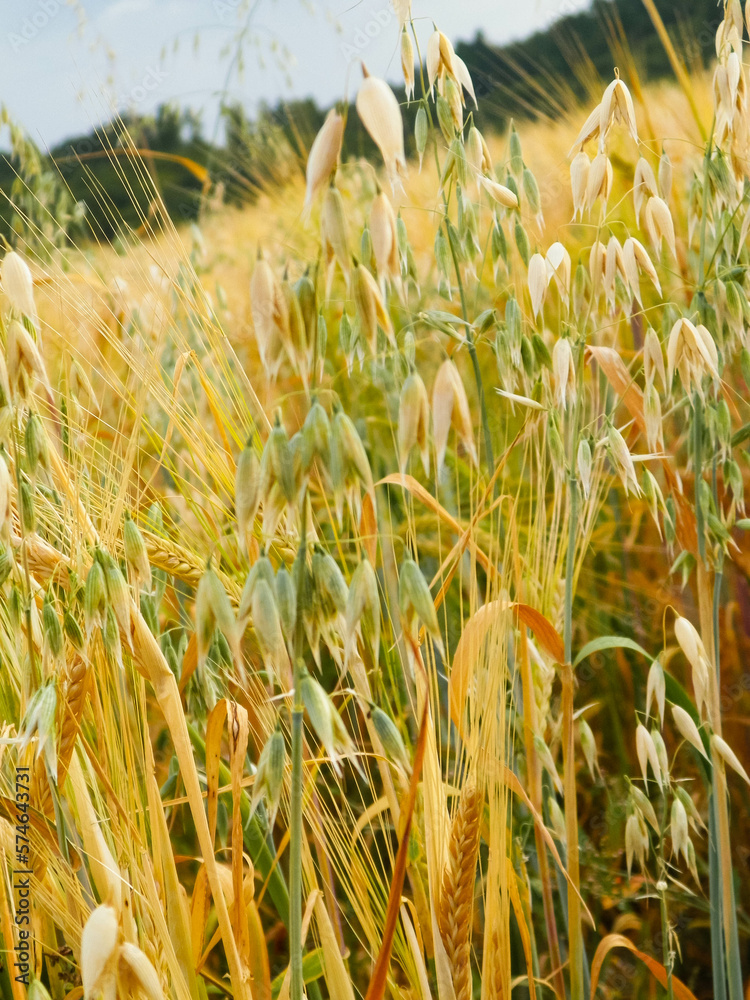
[
  {"x": 740, "y": 436},
  {"x": 675, "y": 692},
  {"x": 254, "y": 836},
  {"x": 610, "y": 642},
  {"x": 312, "y": 969}
]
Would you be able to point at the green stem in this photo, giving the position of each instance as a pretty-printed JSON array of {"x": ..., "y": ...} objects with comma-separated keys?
[
  {"x": 464, "y": 311},
  {"x": 473, "y": 355},
  {"x": 666, "y": 953},
  {"x": 714, "y": 888},
  {"x": 697, "y": 463},
  {"x": 704, "y": 210},
  {"x": 295, "y": 847},
  {"x": 732, "y": 945},
  {"x": 724, "y": 967},
  {"x": 28, "y": 597},
  {"x": 575, "y": 935},
  {"x": 569, "y": 566},
  {"x": 295, "y": 819}
]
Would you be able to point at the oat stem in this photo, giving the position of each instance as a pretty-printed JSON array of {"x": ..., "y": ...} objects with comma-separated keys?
[
  {"x": 462, "y": 295},
  {"x": 534, "y": 779},
  {"x": 664, "y": 914},
  {"x": 295, "y": 818},
  {"x": 473, "y": 355},
  {"x": 28, "y": 596},
  {"x": 575, "y": 933}
]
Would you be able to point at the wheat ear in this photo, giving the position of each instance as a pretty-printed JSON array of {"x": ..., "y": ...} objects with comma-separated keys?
[{"x": 457, "y": 895}]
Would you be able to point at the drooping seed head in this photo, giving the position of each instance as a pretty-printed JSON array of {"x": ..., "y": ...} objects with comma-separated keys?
[
  {"x": 656, "y": 689},
  {"x": 391, "y": 738},
  {"x": 643, "y": 805},
  {"x": 646, "y": 751},
  {"x": 580, "y": 166},
  {"x": 320, "y": 712},
  {"x": 51, "y": 627},
  {"x": 463, "y": 78},
  {"x": 24, "y": 361},
  {"x": 98, "y": 949},
  {"x": 692, "y": 351},
  {"x": 380, "y": 114},
  {"x": 407, "y": 63},
  {"x": 39, "y": 722},
  {"x": 137, "y": 972},
  {"x": 537, "y": 281},
  {"x": 588, "y": 745},
  {"x": 330, "y": 585},
  {"x": 622, "y": 460},
  {"x": 324, "y": 155},
  {"x": 564, "y": 370},
  {"x": 18, "y": 284},
  {"x": 662, "y": 756},
  {"x": 333, "y": 229},
  {"x": 617, "y": 106},
  {"x": 118, "y": 596},
  {"x": 725, "y": 752},
  {"x": 363, "y": 607},
  {"x": 5, "y": 498},
  {"x": 277, "y": 464},
  {"x": 558, "y": 265},
  {"x": 415, "y": 601},
  {"x": 413, "y": 421},
  {"x": 35, "y": 444},
  {"x": 384, "y": 237},
  {"x": 599, "y": 183},
  {"x": 499, "y": 193},
  {"x": 421, "y": 133},
  {"x": 636, "y": 841},
  {"x": 136, "y": 555},
  {"x": 269, "y": 776},
  {"x": 589, "y": 129},
  {"x": 659, "y": 225},
  {"x": 269, "y": 313},
  {"x": 665, "y": 176},
  {"x": 246, "y": 493},
  {"x": 267, "y": 626},
  {"x": 644, "y": 186},
  {"x": 584, "y": 462},
  {"x": 371, "y": 309},
  {"x": 678, "y": 828},
  {"x": 213, "y": 610}
]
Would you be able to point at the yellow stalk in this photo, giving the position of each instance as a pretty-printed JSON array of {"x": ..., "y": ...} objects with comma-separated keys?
[{"x": 676, "y": 63}]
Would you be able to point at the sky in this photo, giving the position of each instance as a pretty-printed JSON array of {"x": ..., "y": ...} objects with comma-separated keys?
[{"x": 67, "y": 65}]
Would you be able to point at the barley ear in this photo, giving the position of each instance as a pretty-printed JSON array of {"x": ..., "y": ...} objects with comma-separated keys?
[{"x": 457, "y": 895}]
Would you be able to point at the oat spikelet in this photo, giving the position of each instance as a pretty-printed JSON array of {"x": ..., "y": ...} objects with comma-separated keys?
[
  {"x": 18, "y": 284},
  {"x": 324, "y": 155},
  {"x": 380, "y": 114},
  {"x": 457, "y": 896}
]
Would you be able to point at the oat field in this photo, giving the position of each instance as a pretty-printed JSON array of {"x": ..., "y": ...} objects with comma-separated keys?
[{"x": 374, "y": 565}]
